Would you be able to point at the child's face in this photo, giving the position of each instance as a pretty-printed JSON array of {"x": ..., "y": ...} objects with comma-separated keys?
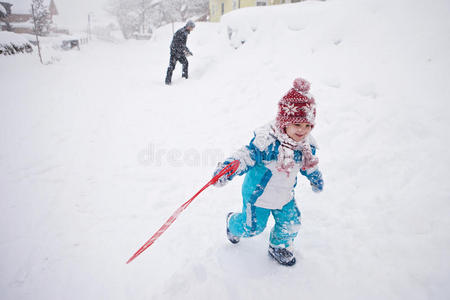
[{"x": 299, "y": 131}]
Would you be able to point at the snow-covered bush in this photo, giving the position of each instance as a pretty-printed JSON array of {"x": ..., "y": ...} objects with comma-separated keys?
[{"x": 13, "y": 43}]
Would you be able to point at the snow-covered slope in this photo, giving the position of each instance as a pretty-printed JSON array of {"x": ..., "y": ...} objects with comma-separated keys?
[{"x": 96, "y": 153}]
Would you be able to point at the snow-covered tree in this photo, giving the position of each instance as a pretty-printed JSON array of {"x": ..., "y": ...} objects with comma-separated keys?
[
  {"x": 5, "y": 10},
  {"x": 143, "y": 15},
  {"x": 41, "y": 17},
  {"x": 182, "y": 10},
  {"x": 133, "y": 15}
]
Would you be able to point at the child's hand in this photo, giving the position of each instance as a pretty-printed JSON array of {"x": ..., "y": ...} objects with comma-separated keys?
[
  {"x": 317, "y": 188},
  {"x": 223, "y": 180},
  {"x": 316, "y": 180}
]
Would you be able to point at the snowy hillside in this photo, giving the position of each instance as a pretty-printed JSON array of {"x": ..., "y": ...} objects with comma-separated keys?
[{"x": 96, "y": 153}]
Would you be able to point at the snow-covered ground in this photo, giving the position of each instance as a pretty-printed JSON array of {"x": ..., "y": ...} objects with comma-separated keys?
[{"x": 96, "y": 153}]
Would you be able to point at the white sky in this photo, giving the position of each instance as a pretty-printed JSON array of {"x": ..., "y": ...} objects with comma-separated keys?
[{"x": 72, "y": 13}]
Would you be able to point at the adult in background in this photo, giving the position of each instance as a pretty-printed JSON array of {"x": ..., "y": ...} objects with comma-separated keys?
[{"x": 179, "y": 51}]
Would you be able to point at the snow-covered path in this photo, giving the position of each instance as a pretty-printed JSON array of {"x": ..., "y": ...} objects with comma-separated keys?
[{"x": 96, "y": 153}]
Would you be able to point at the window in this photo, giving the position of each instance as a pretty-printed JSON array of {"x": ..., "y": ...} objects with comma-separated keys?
[
  {"x": 261, "y": 3},
  {"x": 223, "y": 8}
]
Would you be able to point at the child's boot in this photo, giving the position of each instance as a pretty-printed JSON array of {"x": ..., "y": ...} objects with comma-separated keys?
[
  {"x": 232, "y": 238},
  {"x": 282, "y": 256}
]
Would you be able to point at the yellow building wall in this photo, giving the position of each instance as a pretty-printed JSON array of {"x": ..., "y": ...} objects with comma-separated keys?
[
  {"x": 217, "y": 8},
  {"x": 248, "y": 3},
  {"x": 275, "y": 2}
]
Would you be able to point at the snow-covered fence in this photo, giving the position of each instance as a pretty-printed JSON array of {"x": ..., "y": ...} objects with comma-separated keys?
[
  {"x": 84, "y": 40},
  {"x": 12, "y": 43},
  {"x": 72, "y": 42}
]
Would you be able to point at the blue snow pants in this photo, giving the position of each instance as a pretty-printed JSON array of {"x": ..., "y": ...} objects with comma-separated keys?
[{"x": 253, "y": 220}]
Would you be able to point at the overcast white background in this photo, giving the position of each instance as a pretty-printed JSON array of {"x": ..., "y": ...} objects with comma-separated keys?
[{"x": 72, "y": 13}]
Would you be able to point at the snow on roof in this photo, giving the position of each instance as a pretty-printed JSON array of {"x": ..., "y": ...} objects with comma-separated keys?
[
  {"x": 23, "y": 6},
  {"x": 7, "y": 38}
]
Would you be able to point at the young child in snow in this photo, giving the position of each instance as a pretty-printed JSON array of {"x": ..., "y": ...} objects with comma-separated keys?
[{"x": 278, "y": 151}]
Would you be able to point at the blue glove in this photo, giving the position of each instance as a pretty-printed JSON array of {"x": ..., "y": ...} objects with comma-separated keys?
[
  {"x": 316, "y": 189},
  {"x": 315, "y": 178},
  {"x": 318, "y": 186}
]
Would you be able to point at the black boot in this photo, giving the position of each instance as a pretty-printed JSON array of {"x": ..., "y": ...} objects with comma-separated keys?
[
  {"x": 232, "y": 238},
  {"x": 282, "y": 256}
]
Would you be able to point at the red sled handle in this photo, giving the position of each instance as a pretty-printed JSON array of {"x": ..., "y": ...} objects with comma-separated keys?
[{"x": 230, "y": 169}]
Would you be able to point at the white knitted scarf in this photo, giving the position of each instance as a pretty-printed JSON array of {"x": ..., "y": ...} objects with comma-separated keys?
[{"x": 285, "y": 160}]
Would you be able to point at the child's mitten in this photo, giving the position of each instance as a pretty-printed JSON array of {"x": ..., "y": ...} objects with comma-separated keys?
[
  {"x": 317, "y": 189},
  {"x": 316, "y": 180},
  {"x": 317, "y": 186},
  {"x": 224, "y": 178}
]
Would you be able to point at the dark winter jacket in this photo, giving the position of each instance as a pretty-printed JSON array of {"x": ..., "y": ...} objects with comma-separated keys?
[{"x": 178, "y": 46}]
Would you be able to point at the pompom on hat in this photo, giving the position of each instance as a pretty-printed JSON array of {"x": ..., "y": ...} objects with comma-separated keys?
[{"x": 297, "y": 106}]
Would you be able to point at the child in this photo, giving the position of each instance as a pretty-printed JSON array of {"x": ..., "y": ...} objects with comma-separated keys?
[{"x": 278, "y": 151}]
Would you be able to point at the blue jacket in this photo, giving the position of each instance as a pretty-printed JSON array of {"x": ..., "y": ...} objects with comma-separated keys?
[{"x": 264, "y": 185}]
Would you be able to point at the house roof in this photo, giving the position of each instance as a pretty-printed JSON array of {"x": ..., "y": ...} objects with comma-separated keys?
[{"x": 23, "y": 6}]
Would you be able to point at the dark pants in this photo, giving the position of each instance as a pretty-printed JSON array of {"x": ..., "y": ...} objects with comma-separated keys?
[{"x": 174, "y": 57}]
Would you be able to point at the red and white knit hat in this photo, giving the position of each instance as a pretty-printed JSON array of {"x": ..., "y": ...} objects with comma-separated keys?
[{"x": 297, "y": 106}]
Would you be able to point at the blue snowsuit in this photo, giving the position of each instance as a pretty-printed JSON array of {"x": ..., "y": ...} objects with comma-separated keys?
[{"x": 267, "y": 191}]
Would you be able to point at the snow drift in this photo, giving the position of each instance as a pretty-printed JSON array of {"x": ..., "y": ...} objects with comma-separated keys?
[{"x": 97, "y": 153}]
